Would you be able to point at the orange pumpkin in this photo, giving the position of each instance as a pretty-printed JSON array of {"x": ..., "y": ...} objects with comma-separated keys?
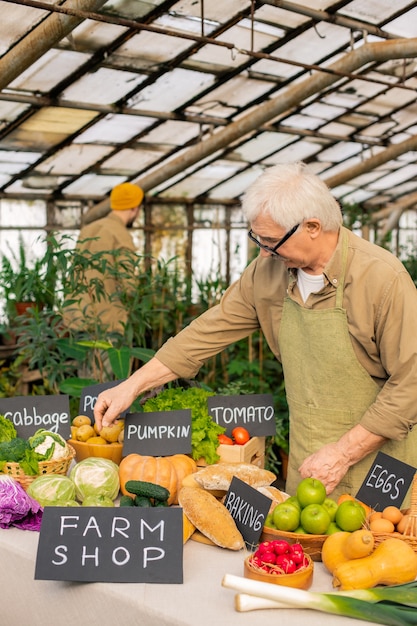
[{"x": 168, "y": 471}]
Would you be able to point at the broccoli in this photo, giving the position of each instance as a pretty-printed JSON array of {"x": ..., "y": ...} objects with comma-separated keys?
[
  {"x": 7, "y": 429},
  {"x": 13, "y": 450}
]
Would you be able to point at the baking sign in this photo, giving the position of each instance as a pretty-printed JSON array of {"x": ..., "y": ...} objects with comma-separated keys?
[
  {"x": 111, "y": 544},
  {"x": 29, "y": 413},
  {"x": 386, "y": 483},
  {"x": 255, "y": 412},
  {"x": 161, "y": 433},
  {"x": 249, "y": 508}
]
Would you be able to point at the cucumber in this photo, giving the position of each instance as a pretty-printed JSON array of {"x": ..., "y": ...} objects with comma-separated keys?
[
  {"x": 160, "y": 503},
  {"x": 142, "y": 501},
  {"x": 148, "y": 490},
  {"x": 127, "y": 501}
]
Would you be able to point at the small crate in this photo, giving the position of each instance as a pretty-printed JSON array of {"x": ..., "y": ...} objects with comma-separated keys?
[{"x": 251, "y": 452}]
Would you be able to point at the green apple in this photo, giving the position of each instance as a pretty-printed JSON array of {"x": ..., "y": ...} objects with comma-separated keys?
[
  {"x": 286, "y": 516},
  {"x": 293, "y": 500},
  {"x": 315, "y": 519},
  {"x": 269, "y": 521},
  {"x": 350, "y": 515},
  {"x": 331, "y": 506},
  {"x": 333, "y": 528},
  {"x": 310, "y": 491}
]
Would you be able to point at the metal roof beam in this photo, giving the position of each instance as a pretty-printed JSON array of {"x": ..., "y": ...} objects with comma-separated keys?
[
  {"x": 254, "y": 119},
  {"x": 43, "y": 37}
]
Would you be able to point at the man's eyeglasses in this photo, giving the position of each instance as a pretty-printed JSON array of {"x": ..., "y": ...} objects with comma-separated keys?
[{"x": 279, "y": 244}]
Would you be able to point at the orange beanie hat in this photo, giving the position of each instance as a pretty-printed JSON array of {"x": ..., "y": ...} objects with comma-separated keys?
[{"x": 125, "y": 196}]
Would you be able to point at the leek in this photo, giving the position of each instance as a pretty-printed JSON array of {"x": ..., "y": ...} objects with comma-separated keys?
[{"x": 393, "y": 606}]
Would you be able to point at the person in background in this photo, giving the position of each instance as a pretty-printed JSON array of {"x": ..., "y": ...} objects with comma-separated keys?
[
  {"x": 108, "y": 234},
  {"x": 340, "y": 314}
]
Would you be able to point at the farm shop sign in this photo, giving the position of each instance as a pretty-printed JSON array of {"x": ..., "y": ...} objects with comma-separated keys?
[
  {"x": 111, "y": 544},
  {"x": 255, "y": 412},
  {"x": 29, "y": 413}
]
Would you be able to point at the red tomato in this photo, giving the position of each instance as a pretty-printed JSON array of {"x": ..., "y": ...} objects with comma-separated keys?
[
  {"x": 225, "y": 440},
  {"x": 240, "y": 435}
]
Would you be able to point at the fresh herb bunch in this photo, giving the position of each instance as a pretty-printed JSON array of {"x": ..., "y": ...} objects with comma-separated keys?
[{"x": 204, "y": 430}]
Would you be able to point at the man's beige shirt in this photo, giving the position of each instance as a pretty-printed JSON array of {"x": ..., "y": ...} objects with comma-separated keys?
[
  {"x": 106, "y": 234},
  {"x": 381, "y": 303}
]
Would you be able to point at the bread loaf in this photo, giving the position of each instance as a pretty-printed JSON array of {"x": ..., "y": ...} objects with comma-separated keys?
[
  {"x": 220, "y": 475},
  {"x": 210, "y": 517},
  {"x": 276, "y": 495}
]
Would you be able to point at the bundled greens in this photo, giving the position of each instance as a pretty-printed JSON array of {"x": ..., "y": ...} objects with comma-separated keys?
[
  {"x": 391, "y": 605},
  {"x": 7, "y": 429},
  {"x": 204, "y": 430}
]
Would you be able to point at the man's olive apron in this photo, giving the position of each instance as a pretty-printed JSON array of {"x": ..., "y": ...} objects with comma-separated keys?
[{"x": 327, "y": 388}]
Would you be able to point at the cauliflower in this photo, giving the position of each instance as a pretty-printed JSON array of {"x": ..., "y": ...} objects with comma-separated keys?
[{"x": 48, "y": 445}]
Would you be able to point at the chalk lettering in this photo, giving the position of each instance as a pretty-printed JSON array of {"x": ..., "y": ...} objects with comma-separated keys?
[
  {"x": 143, "y": 432},
  {"x": 159, "y": 527},
  {"x": 65, "y": 522},
  {"x": 50, "y": 421},
  {"x": 244, "y": 512},
  {"x": 85, "y": 556},
  {"x": 152, "y": 554},
  {"x": 116, "y": 527},
  {"x": 120, "y": 561},
  {"x": 379, "y": 479},
  {"x": 92, "y": 525},
  {"x": 62, "y": 552},
  {"x": 242, "y": 415},
  {"x": 89, "y": 402}
]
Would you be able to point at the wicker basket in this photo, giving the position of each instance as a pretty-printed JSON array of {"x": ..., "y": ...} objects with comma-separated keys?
[
  {"x": 411, "y": 536},
  {"x": 45, "y": 467},
  {"x": 312, "y": 544}
]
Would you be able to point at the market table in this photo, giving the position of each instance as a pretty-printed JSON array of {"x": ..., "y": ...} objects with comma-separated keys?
[{"x": 199, "y": 601}]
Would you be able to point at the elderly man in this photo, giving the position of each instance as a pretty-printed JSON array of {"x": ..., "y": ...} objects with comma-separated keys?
[{"x": 337, "y": 311}]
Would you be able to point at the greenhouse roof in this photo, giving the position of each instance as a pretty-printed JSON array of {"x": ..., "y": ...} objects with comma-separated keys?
[{"x": 192, "y": 99}]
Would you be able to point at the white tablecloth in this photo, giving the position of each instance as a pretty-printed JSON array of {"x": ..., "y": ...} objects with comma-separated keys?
[{"x": 199, "y": 601}]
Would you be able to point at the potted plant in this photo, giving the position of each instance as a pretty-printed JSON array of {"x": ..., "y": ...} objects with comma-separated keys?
[{"x": 25, "y": 284}]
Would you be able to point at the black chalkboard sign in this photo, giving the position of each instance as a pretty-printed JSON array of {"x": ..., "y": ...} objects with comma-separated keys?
[
  {"x": 386, "y": 483},
  {"x": 89, "y": 397},
  {"x": 249, "y": 509},
  {"x": 29, "y": 413},
  {"x": 106, "y": 544},
  {"x": 158, "y": 434},
  {"x": 255, "y": 412}
]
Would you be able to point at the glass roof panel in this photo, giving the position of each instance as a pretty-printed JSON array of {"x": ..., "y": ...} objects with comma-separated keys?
[
  {"x": 105, "y": 86},
  {"x": 44, "y": 74},
  {"x": 91, "y": 35},
  {"x": 148, "y": 50},
  {"x": 151, "y": 96},
  {"x": 171, "y": 90},
  {"x": 73, "y": 159},
  {"x": 373, "y": 11},
  {"x": 131, "y": 160},
  {"x": 115, "y": 129}
]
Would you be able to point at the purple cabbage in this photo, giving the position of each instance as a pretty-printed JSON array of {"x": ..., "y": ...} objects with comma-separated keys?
[{"x": 17, "y": 508}]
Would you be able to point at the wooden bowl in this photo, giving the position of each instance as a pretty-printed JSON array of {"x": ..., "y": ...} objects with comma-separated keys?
[
  {"x": 83, "y": 450},
  {"x": 301, "y": 579},
  {"x": 312, "y": 544}
]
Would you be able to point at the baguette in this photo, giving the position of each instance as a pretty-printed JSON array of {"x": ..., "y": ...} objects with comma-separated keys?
[
  {"x": 210, "y": 517},
  {"x": 220, "y": 475}
]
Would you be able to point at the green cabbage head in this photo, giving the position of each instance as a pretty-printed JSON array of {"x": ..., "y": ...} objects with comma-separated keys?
[
  {"x": 95, "y": 476},
  {"x": 52, "y": 490}
]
